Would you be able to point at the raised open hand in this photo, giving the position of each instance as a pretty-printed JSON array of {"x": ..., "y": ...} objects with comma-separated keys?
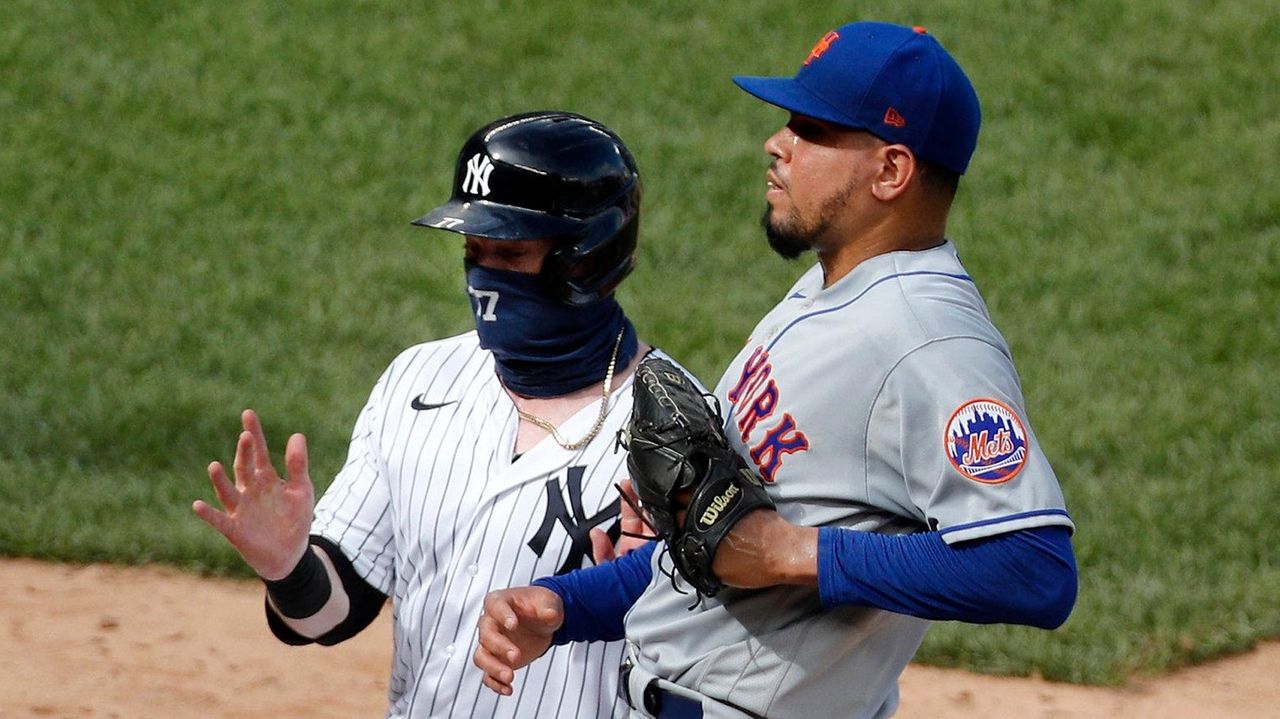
[{"x": 266, "y": 518}]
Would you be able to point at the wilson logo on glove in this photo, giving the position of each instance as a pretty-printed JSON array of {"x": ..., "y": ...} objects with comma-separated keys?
[{"x": 718, "y": 505}]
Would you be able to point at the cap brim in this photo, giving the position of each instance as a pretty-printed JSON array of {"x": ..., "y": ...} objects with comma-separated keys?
[
  {"x": 788, "y": 94},
  {"x": 498, "y": 222}
]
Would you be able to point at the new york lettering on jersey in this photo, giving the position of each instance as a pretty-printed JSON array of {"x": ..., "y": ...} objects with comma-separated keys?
[{"x": 755, "y": 399}]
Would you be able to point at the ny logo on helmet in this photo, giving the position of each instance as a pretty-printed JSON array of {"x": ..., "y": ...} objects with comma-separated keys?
[{"x": 477, "y": 180}]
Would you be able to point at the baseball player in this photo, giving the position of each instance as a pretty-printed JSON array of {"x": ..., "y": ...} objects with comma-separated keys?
[
  {"x": 879, "y": 405},
  {"x": 482, "y": 460}
]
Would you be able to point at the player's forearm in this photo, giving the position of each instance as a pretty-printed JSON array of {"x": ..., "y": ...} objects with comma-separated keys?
[
  {"x": 764, "y": 550},
  {"x": 322, "y": 600},
  {"x": 1023, "y": 577},
  {"x": 310, "y": 600},
  {"x": 597, "y": 599}
]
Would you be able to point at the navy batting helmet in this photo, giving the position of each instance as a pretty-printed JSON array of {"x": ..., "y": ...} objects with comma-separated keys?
[{"x": 550, "y": 175}]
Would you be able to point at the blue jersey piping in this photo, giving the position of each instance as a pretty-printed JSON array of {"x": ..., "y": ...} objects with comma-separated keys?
[{"x": 860, "y": 295}]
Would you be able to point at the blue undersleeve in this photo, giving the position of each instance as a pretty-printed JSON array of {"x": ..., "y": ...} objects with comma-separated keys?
[
  {"x": 596, "y": 599},
  {"x": 1022, "y": 577}
]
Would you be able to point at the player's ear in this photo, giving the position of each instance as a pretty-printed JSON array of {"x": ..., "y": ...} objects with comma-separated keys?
[{"x": 896, "y": 167}]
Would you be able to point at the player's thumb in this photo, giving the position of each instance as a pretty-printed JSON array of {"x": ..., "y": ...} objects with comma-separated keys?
[{"x": 548, "y": 612}]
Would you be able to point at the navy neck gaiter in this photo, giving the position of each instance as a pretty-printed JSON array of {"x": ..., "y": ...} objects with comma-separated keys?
[{"x": 542, "y": 346}]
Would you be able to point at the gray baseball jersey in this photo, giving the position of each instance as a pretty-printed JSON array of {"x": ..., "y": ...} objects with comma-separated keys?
[
  {"x": 888, "y": 403},
  {"x": 433, "y": 512}
]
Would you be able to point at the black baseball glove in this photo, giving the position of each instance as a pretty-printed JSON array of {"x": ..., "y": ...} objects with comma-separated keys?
[{"x": 680, "y": 462}]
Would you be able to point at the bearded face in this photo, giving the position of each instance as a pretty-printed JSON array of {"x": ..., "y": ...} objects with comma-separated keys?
[{"x": 791, "y": 233}]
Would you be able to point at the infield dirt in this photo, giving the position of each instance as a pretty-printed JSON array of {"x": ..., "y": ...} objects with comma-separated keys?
[{"x": 99, "y": 642}]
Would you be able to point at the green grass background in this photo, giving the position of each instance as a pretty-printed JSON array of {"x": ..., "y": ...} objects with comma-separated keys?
[{"x": 204, "y": 207}]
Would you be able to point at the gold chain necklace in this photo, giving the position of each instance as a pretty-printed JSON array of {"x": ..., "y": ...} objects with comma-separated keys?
[{"x": 604, "y": 408}]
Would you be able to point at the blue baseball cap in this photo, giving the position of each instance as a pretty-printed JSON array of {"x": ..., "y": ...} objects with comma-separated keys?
[{"x": 895, "y": 82}]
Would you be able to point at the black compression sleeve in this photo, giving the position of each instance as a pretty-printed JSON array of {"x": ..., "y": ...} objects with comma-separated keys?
[
  {"x": 304, "y": 591},
  {"x": 365, "y": 601}
]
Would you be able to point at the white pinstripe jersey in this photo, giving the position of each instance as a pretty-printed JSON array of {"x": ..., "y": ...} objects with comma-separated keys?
[{"x": 433, "y": 512}]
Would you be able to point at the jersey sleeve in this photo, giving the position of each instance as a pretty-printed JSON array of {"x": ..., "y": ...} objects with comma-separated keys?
[
  {"x": 354, "y": 512},
  {"x": 951, "y": 421}
]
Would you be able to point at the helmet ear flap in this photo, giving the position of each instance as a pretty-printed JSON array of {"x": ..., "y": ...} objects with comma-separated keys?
[{"x": 588, "y": 267}]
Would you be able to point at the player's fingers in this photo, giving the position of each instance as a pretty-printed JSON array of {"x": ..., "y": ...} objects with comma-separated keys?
[
  {"x": 261, "y": 456},
  {"x": 601, "y": 547},
  {"x": 218, "y": 520},
  {"x": 503, "y": 689},
  {"x": 630, "y": 517},
  {"x": 497, "y": 663},
  {"x": 550, "y": 616},
  {"x": 499, "y": 609},
  {"x": 495, "y": 642},
  {"x": 631, "y": 522},
  {"x": 497, "y": 676},
  {"x": 541, "y": 609},
  {"x": 222, "y": 486},
  {"x": 244, "y": 464},
  {"x": 295, "y": 460}
]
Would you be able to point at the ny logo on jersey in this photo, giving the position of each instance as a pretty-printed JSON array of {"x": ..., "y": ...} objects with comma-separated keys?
[
  {"x": 479, "y": 168},
  {"x": 574, "y": 519}
]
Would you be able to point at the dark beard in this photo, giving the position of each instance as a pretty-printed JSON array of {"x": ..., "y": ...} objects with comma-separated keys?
[
  {"x": 795, "y": 237},
  {"x": 787, "y": 242}
]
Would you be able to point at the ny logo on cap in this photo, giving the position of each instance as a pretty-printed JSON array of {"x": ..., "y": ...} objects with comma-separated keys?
[
  {"x": 477, "y": 180},
  {"x": 823, "y": 45}
]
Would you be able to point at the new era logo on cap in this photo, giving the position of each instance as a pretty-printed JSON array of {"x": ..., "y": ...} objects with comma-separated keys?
[{"x": 891, "y": 117}]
